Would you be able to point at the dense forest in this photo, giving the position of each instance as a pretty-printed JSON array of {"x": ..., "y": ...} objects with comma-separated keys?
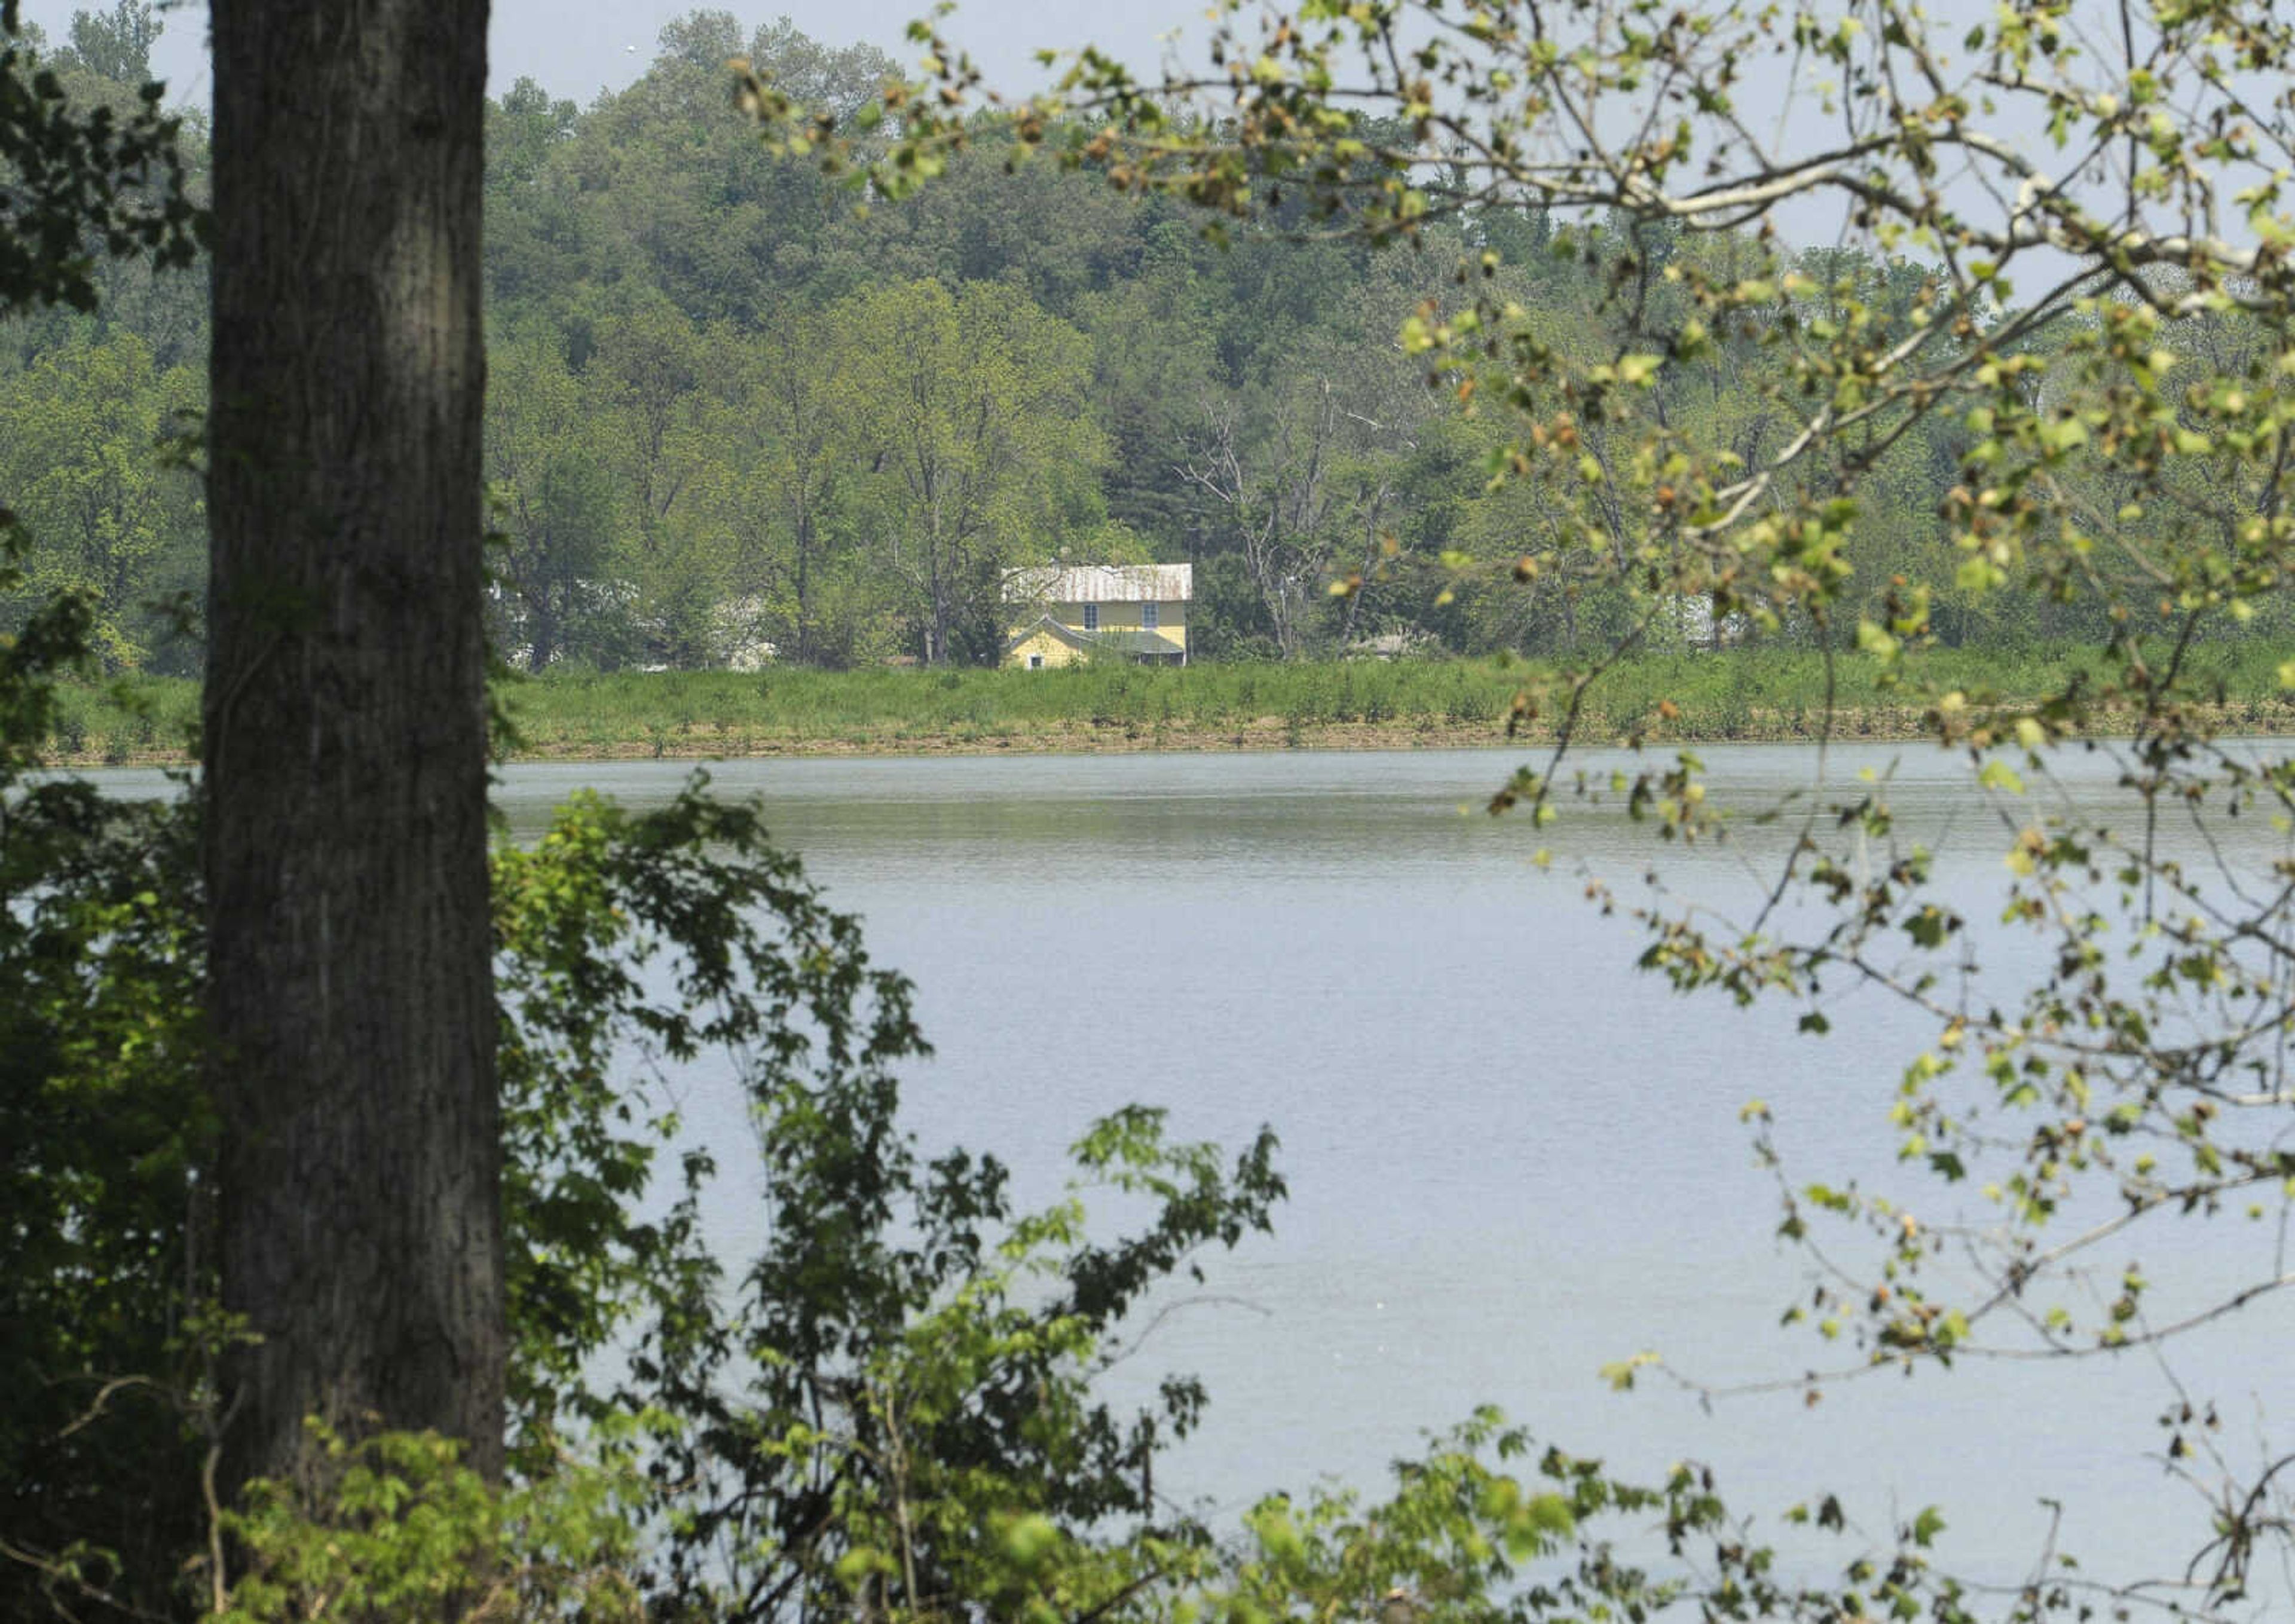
[{"x": 737, "y": 414}]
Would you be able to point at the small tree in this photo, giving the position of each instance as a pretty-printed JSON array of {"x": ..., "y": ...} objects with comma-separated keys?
[
  {"x": 117, "y": 44},
  {"x": 972, "y": 403}
]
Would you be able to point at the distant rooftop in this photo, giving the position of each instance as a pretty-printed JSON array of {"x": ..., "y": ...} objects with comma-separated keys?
[
  {"x": 1101, "y": 584},
  {"x": 1119, "y": 640}
]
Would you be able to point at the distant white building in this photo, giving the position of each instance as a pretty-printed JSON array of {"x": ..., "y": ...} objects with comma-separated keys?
[
  {"x": 735, "y": 642},
  {"x": 1688, "y": 618}
]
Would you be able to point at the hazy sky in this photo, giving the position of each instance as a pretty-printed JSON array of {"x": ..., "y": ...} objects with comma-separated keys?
[{"x": 578, "y": 47}]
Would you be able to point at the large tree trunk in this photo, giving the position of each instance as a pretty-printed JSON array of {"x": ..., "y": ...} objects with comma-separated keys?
[{"x": 351, "y": 1013}]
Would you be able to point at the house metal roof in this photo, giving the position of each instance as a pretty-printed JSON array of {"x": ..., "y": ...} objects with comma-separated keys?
[
  {"x": 1047, "y": 626},
  {"x": 1119, "y": 640},
  {"x": 1101, "y": 584}
]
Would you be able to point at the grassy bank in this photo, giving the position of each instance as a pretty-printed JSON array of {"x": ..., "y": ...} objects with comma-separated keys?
[{"x": 1740, "y": 693}]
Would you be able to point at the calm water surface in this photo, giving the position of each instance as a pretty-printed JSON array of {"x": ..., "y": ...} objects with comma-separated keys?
[{"x": 1511, "y": 1158}]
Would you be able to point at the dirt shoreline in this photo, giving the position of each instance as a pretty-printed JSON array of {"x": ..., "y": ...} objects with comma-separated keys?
[{"x": 1084, "y": 737}]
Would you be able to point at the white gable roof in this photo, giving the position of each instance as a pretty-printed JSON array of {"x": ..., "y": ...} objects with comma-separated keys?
[{"x": 1101, "y": 584}]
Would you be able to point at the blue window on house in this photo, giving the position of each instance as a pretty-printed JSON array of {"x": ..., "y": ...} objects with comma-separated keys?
[
  {"x": 1091, "y": 617},
  {"x": 1148, "y": 617}
]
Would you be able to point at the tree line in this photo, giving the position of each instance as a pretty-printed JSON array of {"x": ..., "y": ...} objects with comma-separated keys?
[{"x": 738, "y": 414}]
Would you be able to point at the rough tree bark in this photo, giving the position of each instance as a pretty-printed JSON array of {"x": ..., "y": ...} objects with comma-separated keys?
[{"x": 344, "y": 726}]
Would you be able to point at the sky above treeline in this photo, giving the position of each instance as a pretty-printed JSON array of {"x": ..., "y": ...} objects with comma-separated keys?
[{"x": 576, "y": 48}]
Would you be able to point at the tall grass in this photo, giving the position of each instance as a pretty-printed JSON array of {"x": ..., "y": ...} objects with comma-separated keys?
[
  {"x": 1758, "y": 692},
  {"x": 1761, "y": 692},
  {"x": 128, "y": 719},
  {"x": 811, "y": 707}
]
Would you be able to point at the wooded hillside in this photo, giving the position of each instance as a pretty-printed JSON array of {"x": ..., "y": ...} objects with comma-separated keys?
[{"x": 738, "y": 415}]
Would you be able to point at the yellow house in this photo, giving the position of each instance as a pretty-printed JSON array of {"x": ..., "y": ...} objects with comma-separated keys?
[{"x": 1133, "y": 611}]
